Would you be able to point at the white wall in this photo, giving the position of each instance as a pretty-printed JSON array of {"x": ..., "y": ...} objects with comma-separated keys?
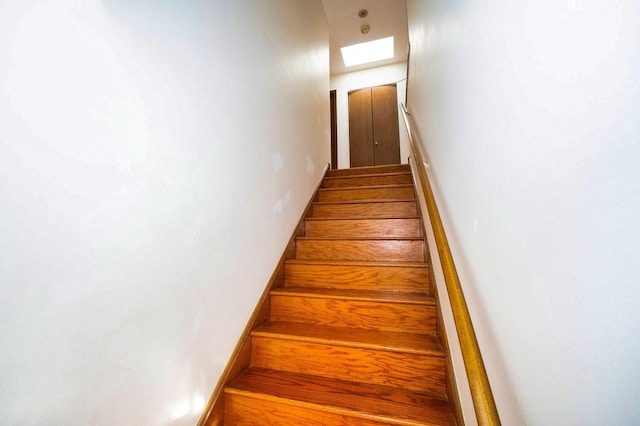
[
  {"x": 345, "y": 83},
  {"x": 530, "y": 114},
  {"x": 154, "y": 160}
]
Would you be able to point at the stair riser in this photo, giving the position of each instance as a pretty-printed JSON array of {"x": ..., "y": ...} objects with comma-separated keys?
[
  {"x": 376, "y": 250},
  {"x": 347, "y": 182},
  {"x": 416, "y": 372},
  {"x": 363, "y": 210},
  {"x": 359, "y": 171},
  {"x": 398, "y": 228},
  {"x": 383, "y": 316},
  {"x": 380, "y": 193},
  {"x": 243, "y": 409},
  {"x": 383, "y": 278}
]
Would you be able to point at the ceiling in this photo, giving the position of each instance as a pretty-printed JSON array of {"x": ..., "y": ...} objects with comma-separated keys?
[{"x": 385, "y": 18}]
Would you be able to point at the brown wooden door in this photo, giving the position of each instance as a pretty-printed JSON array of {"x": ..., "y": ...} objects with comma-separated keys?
[
  {"x": 360, "y": 128},
  {"x": 386, "y": 138},
  {"x": 373, "y": 126}
]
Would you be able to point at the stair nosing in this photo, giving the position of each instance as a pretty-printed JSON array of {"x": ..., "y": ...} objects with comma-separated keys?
[
  {"x": 367, "y": 201},
  {"x": 305, "y": 238},
  {"x": 398, "y": 264},
  {"x": 390, "y": 217}
]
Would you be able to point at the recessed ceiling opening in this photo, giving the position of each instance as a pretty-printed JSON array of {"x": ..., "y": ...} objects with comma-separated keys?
[{"x": 371, "y": 51}]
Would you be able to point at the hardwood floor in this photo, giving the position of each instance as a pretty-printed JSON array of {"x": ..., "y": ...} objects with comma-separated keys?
[{"x": 350, "y": 338}]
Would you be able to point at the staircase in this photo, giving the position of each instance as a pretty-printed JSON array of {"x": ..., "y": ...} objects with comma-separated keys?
[{"x": 351, "y": 336}]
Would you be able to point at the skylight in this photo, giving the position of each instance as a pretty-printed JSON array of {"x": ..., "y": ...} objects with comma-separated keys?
[{"x": 371, "y": 51}]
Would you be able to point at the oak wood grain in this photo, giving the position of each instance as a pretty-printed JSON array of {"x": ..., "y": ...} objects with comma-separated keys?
[
  {"x": 359, "y": 209},
  {"x": 248, "y": 409},
  {"x": 368, "y": 180},
  {"x": 358, "y": 275},
  {"x": 405, "y": 369},
  {"x": 382, "y": 249},
  {"x": 345, "y": 228},
  {"x": 382, "y": 192},
  {"x": 349, "y": 334},
  {"x": 372, "y": 339},
  {"x": 408, "y": 312},
  {"x": 385, "y": 404},
  {"x": 391, "y": 168},
  {"x": 413, "y": 298},
  {"x": 384, "y": 113}
]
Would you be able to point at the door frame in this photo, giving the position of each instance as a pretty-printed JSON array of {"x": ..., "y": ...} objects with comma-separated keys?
[
  {"x": 372, "y": 151},
  {"x": 334, "y": 128}
]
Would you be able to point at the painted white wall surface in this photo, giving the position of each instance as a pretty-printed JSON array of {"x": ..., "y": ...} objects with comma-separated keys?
[
  {"x": 529, "y": 112},
  {"x": 459, "y": 376},
  {"x": 345, "y": 83},
  {"x": 155, "y": 157}
]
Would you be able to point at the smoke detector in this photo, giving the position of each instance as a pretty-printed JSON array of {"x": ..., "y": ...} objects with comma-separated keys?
[{"x": 363, "y": 13}]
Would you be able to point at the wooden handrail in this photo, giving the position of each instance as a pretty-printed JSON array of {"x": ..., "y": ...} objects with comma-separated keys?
[{"x": 481, "y": 394}]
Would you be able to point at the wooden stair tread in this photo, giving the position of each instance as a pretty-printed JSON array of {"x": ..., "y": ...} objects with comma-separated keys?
[
  {"x": 424, "y": 344},
  {"x": 367, "y": 401},
  {"x": 360, "y": 295}
]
